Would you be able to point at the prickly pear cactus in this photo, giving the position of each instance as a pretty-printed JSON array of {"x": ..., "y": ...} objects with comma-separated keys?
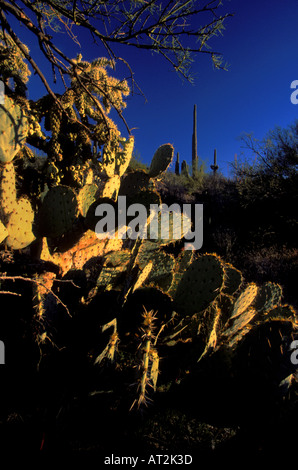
[
  {"x": 88, "y": 194},
  {"x": 19, "y": 225},
  {"x": 162, "y": 267},
  {"x": 13, "y": 130},
  {"x": 269, "y": 295},
  {"x": 233, "y": 279},
  {"x": 182, "y": 262},
  {"x": 245, "y": 300},
  {"x": 111, "y": 187},
  {"x": 201, "y": 283},
  {"x": 168, "y": 226},
  {"x": 249, "y": 310},
  {"x": 133, "y": 183},
  {"x": 161, "y": 160},
  {"x": 58, "y": 212},
  {"x": 3, "y": 232},
  {"x": 147, "y": 302},
  {"x": 8, "y": 193},
  {"x": 124, "y": 157}
]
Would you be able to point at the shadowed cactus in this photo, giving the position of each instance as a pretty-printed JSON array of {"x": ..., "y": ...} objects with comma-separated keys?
[
  {"x": 201, "y": 283},
  {"x": 58, "y": 212},
  {"x": 161, "y": 160},
  {"x": 13, "y": 130},
  {"x": 134, "y": 182},
  {"x": 163, "y": 264},
  {"x": 269, "y": 295}
]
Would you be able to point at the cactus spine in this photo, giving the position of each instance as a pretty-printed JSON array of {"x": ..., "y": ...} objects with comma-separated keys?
[{"x": 148, "y": 367}]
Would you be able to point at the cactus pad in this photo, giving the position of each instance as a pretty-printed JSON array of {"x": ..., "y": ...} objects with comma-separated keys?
[
  {"x": 182, "y": 262},
  {"x": 161, "y": 274},
  {"x": 233, "y": 279},
  {"x": 62, "y": 260},
  {"x": 13, "y": 130},
  {"x": 269, "y": 294},
  {"x": 88, "y": 247},
  {"x": 281, "y": 312},
  {"x": 3, "y": 232},
  {"x": 111, "y": 187},
  {"x": 177, "y": 225},
  {"x": 87, "y": 195},
  {"x": 145, "y": 272},
  {"x": 240, "y": 322},
  {"x": 19, "y": 226},
  {"x": 58, "y": 211},
  {"x": 109, "y": 163},
  {"x": 115, "y": 243},
  {"x": 212, "y": 336},
  {"x": 133, "y": 183},
  {"x": 200, "y": 285},
  {"x": 161, "y": 160},
  {"x": 109, "y": 278},
  {"x": 117, "y": 258},
  {"x": 125, "y": 156},
  {"x": 8, "y": 195},
  {"x": 245, "y": 300}
]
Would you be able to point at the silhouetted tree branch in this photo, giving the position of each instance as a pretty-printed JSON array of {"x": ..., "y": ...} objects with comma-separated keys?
[{"x": 172, "y": 28}]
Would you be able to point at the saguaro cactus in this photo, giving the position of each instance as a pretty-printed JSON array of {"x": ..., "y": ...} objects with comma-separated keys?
[
  {"x": 214, "y": 167},
  {"x": 184, "y": 169}
]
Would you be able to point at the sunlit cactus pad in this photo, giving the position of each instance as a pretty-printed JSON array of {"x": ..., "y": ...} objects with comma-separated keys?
[{"x": 19, "y": 226}]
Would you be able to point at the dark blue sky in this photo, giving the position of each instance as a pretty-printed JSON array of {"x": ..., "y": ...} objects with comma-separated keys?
[{"x": 260, "y": 44}]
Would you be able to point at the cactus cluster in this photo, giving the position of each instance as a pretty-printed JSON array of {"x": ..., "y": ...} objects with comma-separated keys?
[
  {"x": 16, "y": 215},
  {"x": 143, "y": 311},
  {"x": 196, "y": 299}
]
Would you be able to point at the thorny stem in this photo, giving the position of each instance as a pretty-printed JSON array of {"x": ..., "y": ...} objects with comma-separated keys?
[{"x": 36, "y": 281}]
